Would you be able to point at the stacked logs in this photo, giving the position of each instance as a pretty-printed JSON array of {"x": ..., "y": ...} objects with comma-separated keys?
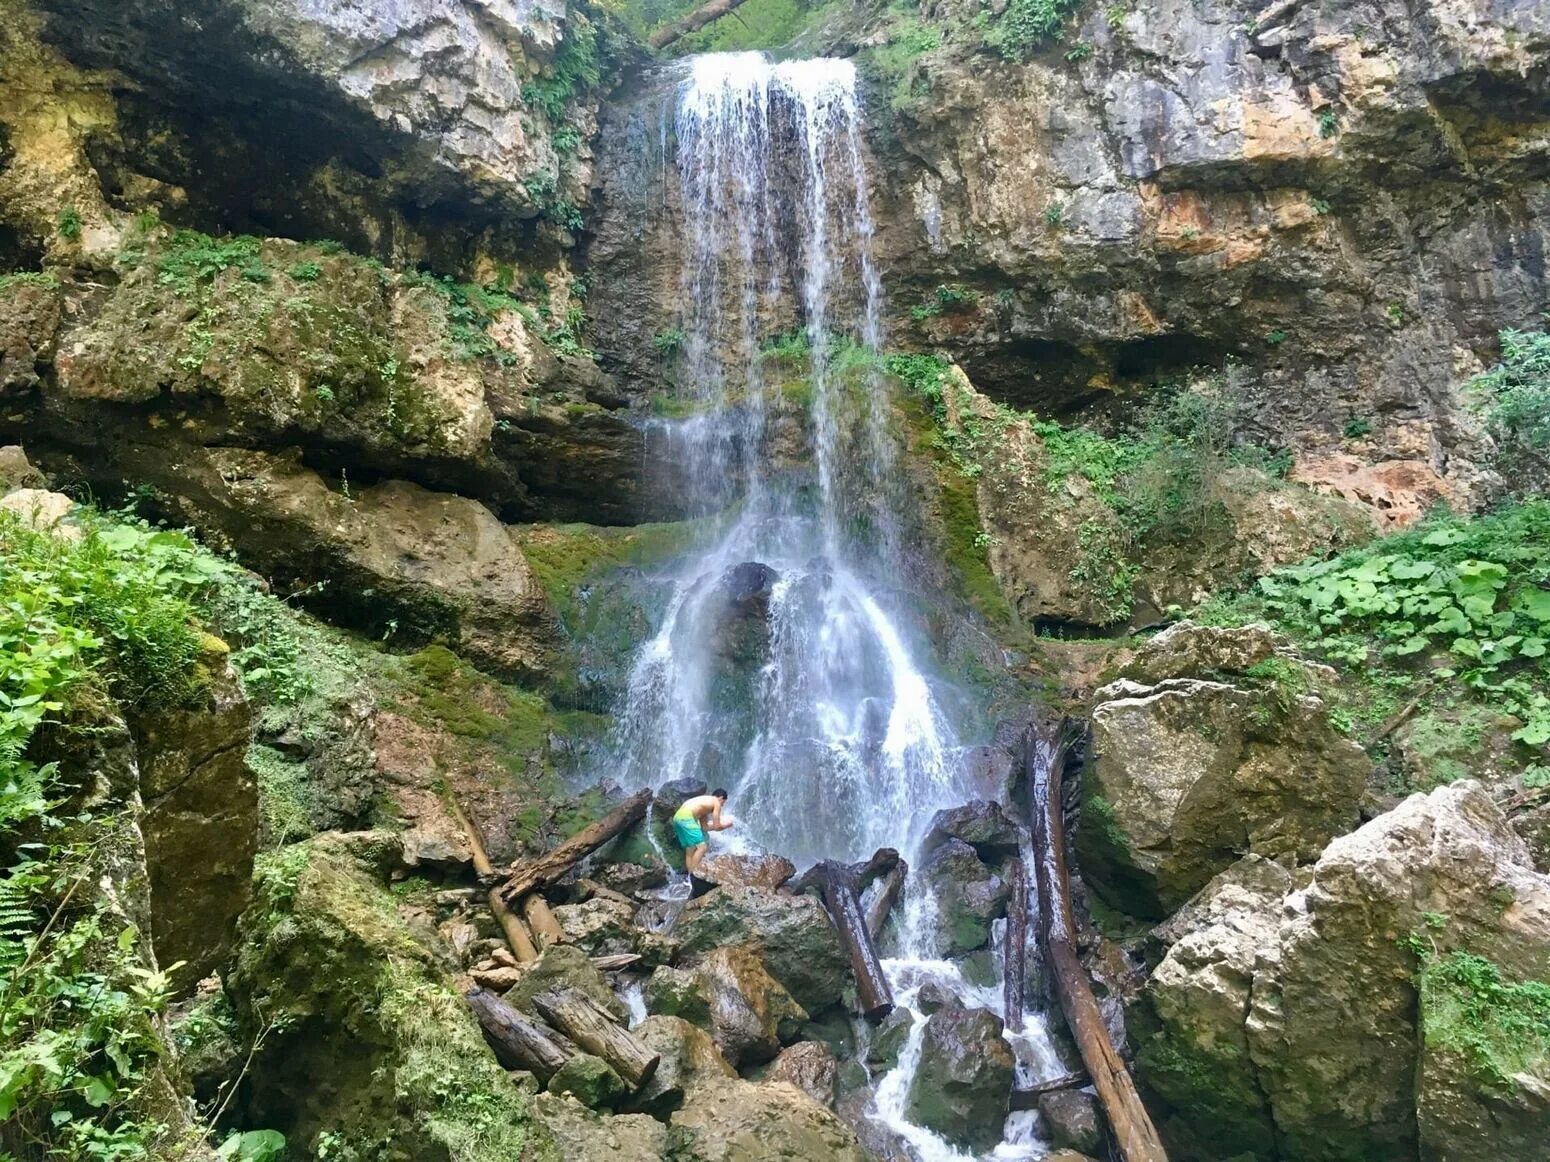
[{"x": 575, "y": 1024}]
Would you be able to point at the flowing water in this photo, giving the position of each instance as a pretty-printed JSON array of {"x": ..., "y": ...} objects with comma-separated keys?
[{"x": 790, "y": 664}]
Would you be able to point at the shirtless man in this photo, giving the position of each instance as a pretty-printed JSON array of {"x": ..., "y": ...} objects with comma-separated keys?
[{"x": 691, "y": 821}]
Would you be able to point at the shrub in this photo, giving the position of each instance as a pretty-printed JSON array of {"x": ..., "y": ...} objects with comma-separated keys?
[
  {"x": 1513, "y": 398},
  {"x": 1026, "y": 24},
  {"x": 69, "y": 223}
]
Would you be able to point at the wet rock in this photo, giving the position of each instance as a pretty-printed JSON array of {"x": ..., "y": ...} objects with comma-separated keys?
[
  {"x": 1073, "y": 1120},
  {"x": 932, "y": 997},
  {"x": 983, "y": 825},
  {"x": 689, "y": 1059},
  {"x": 751, "y": 1015},
  {"x": 888, "y": 1040},
  {"x": 634, "y": 877},
  {"x": 590, "y": 1081},
  {"x": 677, "y": 992},
  {"x": 728, "y": 1120},
  {"x": 1190, "y": 773},
  {"x": 969, "y": 895},
  {"x": 746, "y": 871},
  {"x": 599, "y": 926},
  {"x": 564, "y": 966},
  {"x": 739, "y": 615},
  {"x": 810, "y": 1066},
  {"x": 963, "y": 1087},
  {"x": 793, "y": 934},
  {"x": 1287, "y": 1012}
]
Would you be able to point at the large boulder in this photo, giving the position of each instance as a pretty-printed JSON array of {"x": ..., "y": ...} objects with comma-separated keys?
[
  {"x": 969, "y": 897},
  {"x": 689, "y": 1058},
  {"x": 585, "y": 1134},
  {"x": 811, "y": 1067},
  {"x": 728, "y": 1120},
  {"x": 1188, "y": 773},
  {"x": 962, "y": 1088},
  {"x": 793, "y": 936},
  {"x": 746, "y": 871},
  {"x": 1370, "y": 1011},
  {"x": 982, "y": 824},
  {"x": 751, "y": 1015}
]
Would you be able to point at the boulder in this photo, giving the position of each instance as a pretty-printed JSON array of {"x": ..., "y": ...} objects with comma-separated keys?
[
  {"x": 1287, "y": 1013},
  {"x": 599, "y": 926},
  {"x": 1192, "y": 772},
  {"x": 590, "y": 1081},
  {"x": 1072, "y": 1120},
  {"x": 1188, "y": 650},
  {"x": 689, "y": 1059},
  {"x": 29, "y": 322},
  {"x": 728, "y": 1120},
  {"x": 962, "y": 1088},
  {"x": 564, "y": 966},
  {"x": 40, "y": 509},
  {"x": 677, "y": 992},
  {"x": 738, "y": 617},
  {"x": 793, "y": 935},
  {"x": 810, "y": 1066},
  {"x": 982, "y": 824},
  {"x": 746, "y": 871},
  {"x": 887, "y": 1040},
  {"x": 751, "y": 1015},
  {"x": 969, "y": 897},
  {"x": 16, "y": 471},
  {"x": 633, "y": 877},
  {"x": 581, "y": 1133}
]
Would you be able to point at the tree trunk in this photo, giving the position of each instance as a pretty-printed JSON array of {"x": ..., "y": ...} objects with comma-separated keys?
[
  {"x": 594, "y": 1030},
  {"x": 1028, "y": 1099},
  {"x": 693, "y": 22},
  {"x": 516, "y": 935},
  {"x": 887, "y": 896},
  {"x": 545, "y": 869},
  {"x": 1015, "y": 953},
  {"x": 1134, "y": 1133},
  {"x": 519, "y": 1043},
  {"x": 840, "y": 887},
  {"x": 535, "y": 909}
]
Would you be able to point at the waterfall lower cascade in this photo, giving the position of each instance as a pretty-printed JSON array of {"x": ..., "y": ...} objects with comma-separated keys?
[{"x": 786, "y": 666}]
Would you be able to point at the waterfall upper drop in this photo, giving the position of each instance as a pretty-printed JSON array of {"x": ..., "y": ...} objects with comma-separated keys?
[{"x": 785, "y": 665}]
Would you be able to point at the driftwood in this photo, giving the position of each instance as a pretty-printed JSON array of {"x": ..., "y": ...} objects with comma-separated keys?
[
  {"x": 615, "y": 961},
  {"x": 887, "y": 896},
  {"x": 1134, "y": 1133},
  {"x": 591, "y": 889},
  {"x": 532, "y": 874},
  {"x": 539, "y": 917},
  {"x": 594, "y": 1030},
  {"x": 693, "y": 22},
  {"x": 841, "y": 886},
  {"x": 1015, "y": 953},
  {"x": 516, "y": 935},
  {"x": 1027, "y": 1098},
  {"x": 519, "y": 1043}
]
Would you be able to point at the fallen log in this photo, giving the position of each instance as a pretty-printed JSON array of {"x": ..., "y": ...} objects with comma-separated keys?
[
  {"x": 615, "y": 961},
  {"x": 840, "y": 887},
  {"x": 1134, "y": 1134},
  {"x": 517, "y": 937},
  {"x": 1014, "y": 954},
  {"x": 518, "y": 1042},
  {"x": 546, "y": 929},
  {"x": 530, "y": 875},
  {"x": 1027, "y": 1098},
  {"x": 693, "y": 22},
  {"x": 887, "y": 896},
  {"x": 594, "y": 1030}
]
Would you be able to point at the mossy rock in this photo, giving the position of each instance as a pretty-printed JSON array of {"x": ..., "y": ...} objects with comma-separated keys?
[{"x": 590, "y": 1080}]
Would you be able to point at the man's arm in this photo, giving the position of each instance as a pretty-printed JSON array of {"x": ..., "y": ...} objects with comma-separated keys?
[{"x": 715, "y": 819}]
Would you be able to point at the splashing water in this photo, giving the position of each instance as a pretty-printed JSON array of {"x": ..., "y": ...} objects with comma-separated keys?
[{"x": 785, "y": 666}]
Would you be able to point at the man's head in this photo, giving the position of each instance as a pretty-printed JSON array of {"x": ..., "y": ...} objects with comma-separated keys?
[{"x": 719, "y": 793}]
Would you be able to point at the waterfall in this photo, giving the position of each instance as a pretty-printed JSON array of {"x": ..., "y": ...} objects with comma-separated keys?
[{"x": 823, "y": 719}]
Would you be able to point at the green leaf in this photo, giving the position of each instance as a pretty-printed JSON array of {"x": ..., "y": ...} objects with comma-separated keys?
[
  {"x": 1536, "y": 733},
  {"x": 1445, "y": 536},
  {"x": 1451, "y": 621},
  {"x": 1404, "y": 570},
  {"x": 1532, "y": 647},
  {"x": 98, "y": 1092},
  {"x": 1533, "y": 603}
]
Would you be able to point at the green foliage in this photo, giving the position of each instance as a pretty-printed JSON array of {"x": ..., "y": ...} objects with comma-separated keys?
[
  {"x": 577, "y": 69},
  {"x": 38, "y": 278},
  {"x": 1458, "y": 594},
  {"x": 1329, "y": 123},
  {"x": 895, "y": 59},
  {"x": 253, "y": 1146},
  {"x": 1498, "y": 1027},
  {"x": 668, "y": 343},
  {"x": 566, "y": 140},
  {"x": 191, "y": 259},
  {"x": 1102, "y": 569},
  {"x": 1357, "y": 428},
  {"x": 1026, "y": 24},
  {"x": 69, "y": 224},
  {"x": 793, "y": 347},
  {"x": 1079, "y": 51},
  {"x": 1514, "y": 400},
  {"x": 472, "y": 308},
  {"x": 305, "y": 271},
  {"x": 946, "y": 299}
]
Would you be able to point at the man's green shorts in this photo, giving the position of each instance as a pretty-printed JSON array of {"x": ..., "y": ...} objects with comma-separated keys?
[{"x": 688, "y": 831}]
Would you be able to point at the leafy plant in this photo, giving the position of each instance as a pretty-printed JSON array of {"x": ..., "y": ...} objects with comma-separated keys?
[
  {"x": 1356, "y": 428},
  {"x": 69, "y": 223},
  {"x": 669, "y": 343},
  {"x": 1496, "y": 1025},
  {"x": 1079, "y": 51},
  {"x": 1513, "y": 398},
  {"x": 947, "y": 298},
  {"x": 1026, "y": 24},
  {"x": 305, "y": 271},
  {"x": 191, "y": 259},
  {"x": 1329, "y": 123}
]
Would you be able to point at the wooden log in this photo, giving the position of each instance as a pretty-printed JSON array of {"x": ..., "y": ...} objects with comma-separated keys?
[
  {"x": 592, "y": 889},
  {"x": 887, "y": 896},
  {"x": 594, "y": 1030},
  {"x": 1014, "y": 955},
  {"x": 517, "y": 937},
  {"x": 539, "y": 917},
  {"x": 1134, "y": 1134},
  {"x": 693, "y": 22},
  {"x": 1027, "y": 1098},
  {"x": 837, "y": 884},
  {"x": 518, "y": 1041},
  {"x": 615, "y": 961},
  {"x": 532, "y": 874}
]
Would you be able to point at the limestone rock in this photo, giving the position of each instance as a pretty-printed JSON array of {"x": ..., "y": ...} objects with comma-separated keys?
[
  {"x": 1288, "y": 1016},
  {"x": 40, "y": 509},
  {"x": 727, "y": 1120},
  {"x": 581, "y": 1133},
  {"x": 590, "y": 1081},
  {"x": 689, "y": 1059},
  {"x": 677, "y": 992},
  {"x": 811, "y": 1067},
  {"x": 16, "y": 471},
  {"x": 599, "y": 926},
  {"x": 793, "y": 934},
  {"x": 1188, "y": 650},
  {"x": 746, "y": 871},
  {"x": 751, "y": 1015},
  {"x": 963, "y": 1087},
  {"x": 29, "y": 321},
  {"x": 983, "y": 825},
  {"x": 564, "y": 966},
  {"x": 970, "y": 896},
  {"x": 1189, "y": 773}
]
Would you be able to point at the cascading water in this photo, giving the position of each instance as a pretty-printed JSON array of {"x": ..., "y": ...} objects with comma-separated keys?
[{"x": 820, "y": 719}]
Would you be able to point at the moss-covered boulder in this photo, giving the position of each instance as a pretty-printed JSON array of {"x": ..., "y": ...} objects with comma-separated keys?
[
  {"x": 963, "y": 1086},
  {"x": 564, "y": 966},
  {"x": 969, "y": 897},
  {"x": 590, "y": 1081},
  {"x": 1187, "y": 773},
  {"x": 367, "y": 1044},
  {"x": 728, "y": 1120}
]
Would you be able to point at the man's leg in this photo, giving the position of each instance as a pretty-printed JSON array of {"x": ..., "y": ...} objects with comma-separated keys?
[{"x": 693, "y": 856}]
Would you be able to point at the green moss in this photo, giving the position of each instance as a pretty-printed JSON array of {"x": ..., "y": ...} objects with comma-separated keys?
[
  {"x": 1499, "y": 1027},
  {"x": 563, "y": 557},
  {"x": 1215, "y": 1091}
]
